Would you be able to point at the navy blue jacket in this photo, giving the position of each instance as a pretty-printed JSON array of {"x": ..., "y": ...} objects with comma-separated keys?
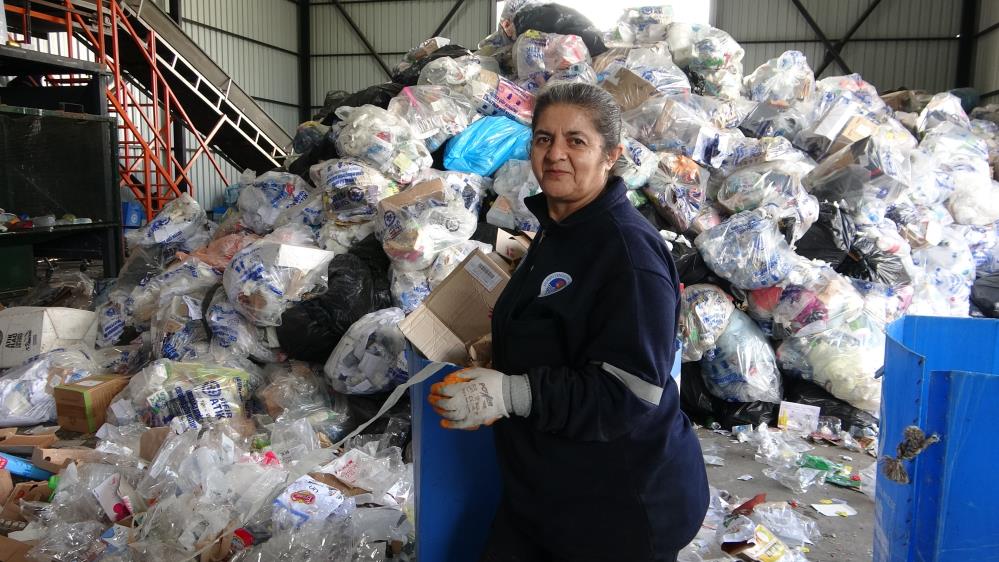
[{"x": 606, "y": 466}]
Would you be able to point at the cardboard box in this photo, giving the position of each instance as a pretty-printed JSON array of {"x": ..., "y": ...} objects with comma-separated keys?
[
  {"x": 26, "y": 331},
  {"x": 459, "y": 311},
  {"x": 13, "y": 551},
  {"x": 54, "y": 460},
  {"x": 26, "y": 444},
  {"x": 27, "y": 491},
  {"x": 629, "y": 89},
  {"x": 512, "y": 247},
  {"x": 81, "y": 406},
  {"x": 766, "y": 547},
  {"x": 151, "y": 441}
]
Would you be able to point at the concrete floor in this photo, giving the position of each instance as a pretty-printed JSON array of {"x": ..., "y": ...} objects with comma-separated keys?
[{"x": 843, "y": 538}]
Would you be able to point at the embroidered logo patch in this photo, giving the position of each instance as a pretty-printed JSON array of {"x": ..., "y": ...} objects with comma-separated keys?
[{"x": 555, "y": 283}]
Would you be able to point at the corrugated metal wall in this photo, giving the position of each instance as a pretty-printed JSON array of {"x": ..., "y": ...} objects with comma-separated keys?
[
  {"x": 339, "y": 59},
  {"x": 904, "y": 43},
  {"x": 987, "y": 51},
  {"x": 256, "y": 43}
]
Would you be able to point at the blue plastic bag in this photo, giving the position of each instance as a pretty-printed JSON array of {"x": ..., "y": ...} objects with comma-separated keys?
[{"x": 486, "y": 145}]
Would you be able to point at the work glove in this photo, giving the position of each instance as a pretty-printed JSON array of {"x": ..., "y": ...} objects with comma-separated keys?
[{"x": 470, "y": 398}]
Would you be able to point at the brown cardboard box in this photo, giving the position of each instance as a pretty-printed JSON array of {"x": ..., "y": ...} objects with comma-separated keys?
[
  {"x": 26, "y": 444},
  {"x": 857, "y": 128},
  {"x": 81, "y": 406},
  {"x": 458, "y": 312},
  {"x": 54, "y": 460},
  {"x": 629, "y": 89},
  {"x": 513, "y": 246},
  {"x": 6, "y": 485},
  {"x": 27, "y": 491},
  {"x": 13, "y": 551},
  {"x": 151, "y": 441}
]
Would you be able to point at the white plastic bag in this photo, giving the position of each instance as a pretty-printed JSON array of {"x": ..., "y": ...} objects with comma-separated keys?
[
  {"x": 678, "y": 190},
  {"x": 409, "y": 288},
  {"x": 354, "y": 188},
  {"x": 515, "y": 181},
  {"x": 636, "y": 164},
  {"x": 180, "y": 225},
  {"x": 370, "y": 358},
  {"x": 704, "y": 315},
  {"x": 436, "y": 113},
  {"x": 26, "y": 391},
  {"x": 262, "y": 201},
  {"x": 747, "y": 250},
  {"x": 742, "y": 366},
  {"x": 384, "y": 139},
  {"x": 781, "y": 80},
  {"x": 266, "y": 277}
]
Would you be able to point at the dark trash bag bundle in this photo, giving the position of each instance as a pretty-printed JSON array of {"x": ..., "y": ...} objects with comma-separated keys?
[
  {"x": 556, "y": 18},
  {"x": 310, "y": 330},
  {"x": 379, "y": 95},
  {"x": 411, "y": 74},
  {"x": 985, "y": 295},
  {"x": 830, "y": 237},
  {"x": 811, "y": 394},
  {"x": 702, "y": 407},
  {"x": 867, "y": 262},
  {"x": 324, "y": 150}
]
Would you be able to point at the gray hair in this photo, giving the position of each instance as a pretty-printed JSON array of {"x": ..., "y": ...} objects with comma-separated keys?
[{"x": 603, "y": 110}]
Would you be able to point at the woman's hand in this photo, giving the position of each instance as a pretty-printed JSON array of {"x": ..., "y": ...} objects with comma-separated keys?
[{"x": 469, "y": 398}]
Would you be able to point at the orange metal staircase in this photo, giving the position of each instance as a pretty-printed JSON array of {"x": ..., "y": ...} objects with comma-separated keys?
[{"x": 160, "y": 77}]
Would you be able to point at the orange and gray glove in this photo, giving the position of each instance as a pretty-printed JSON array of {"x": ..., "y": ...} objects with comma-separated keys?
[{"x": 470, "y": 398}]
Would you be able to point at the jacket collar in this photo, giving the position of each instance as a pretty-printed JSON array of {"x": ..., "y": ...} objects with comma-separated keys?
[{"x": 612, "y": 195}]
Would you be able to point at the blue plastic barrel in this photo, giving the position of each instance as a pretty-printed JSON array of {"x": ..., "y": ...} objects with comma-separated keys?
[
  {"x": 941, "y": 375},
  {"x": 457, "y": 479}
]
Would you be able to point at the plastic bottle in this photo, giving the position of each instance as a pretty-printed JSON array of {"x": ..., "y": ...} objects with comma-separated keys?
[{"x": 23, "y": 468}]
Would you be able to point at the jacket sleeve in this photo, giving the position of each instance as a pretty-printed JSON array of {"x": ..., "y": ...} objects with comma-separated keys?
[{"x": 628, "y": 359}]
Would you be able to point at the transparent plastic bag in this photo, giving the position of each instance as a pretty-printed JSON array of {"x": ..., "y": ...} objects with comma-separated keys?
[
  {"x": 384, "y": 139},
  {"x": 983, "y": 241},
  {"x": 654, "y": 65},
  {"x": 742, "y": 366},
  {"x": 636, "y": 164},
  {"x": 747, "y": 250},
  {"x": 294, "y": 391},
  {"x": 427, "y": 218},
  {"x": 193, "y": 392},
  {"x": 797, "y": 479},
  {"x": 232, "y": 333},
  {"x": 262, "y": 201},
  {"x": 704, "y": 315},
  {"x": 946, "y": 274},
  {"x": 943, "y": 107},
  {"x": 311, "y": 212},
  {"x": 643, "y": 25},
  {"x": 190, "y": 277},
  {"x": 307, "y": 499},
  {"x": 219, "y": 252},
  {"x": 580, "y": 72},
  {"x": 678, "y": 190},
  {"x": 822, "y": 301},
  {"x": 781, "y": 80},
  {"x": 710, "y": 54},
  {"x": 122, "y": 359},
  {"x": 339, "y": 238},
  {"x": 69, "y": 542},
  {"x": 26, "y": 391},
  {"x": 850, "y": 88},
  {"x": 486, "y": 145},
  {"x": 491, "y": 94},
  {"x": 369, "y": 357},
  {"x": 178, "y": 332},
  {"x": 844, "y": 361},
  {"x": 975, "y": 202},
  {"x": 409, "y": 288},
  {"x": 514, "y": 182},
  {"x": 180, "y": 225},
  {"x": 266, "y": 277},
  {"x": 536, "y": 53},
  {"x": 776, "y": 185},
  {"x": 792, "y": 527},
  {"x": 354, "y": 188},
  {"x": 435, "y": 113}
]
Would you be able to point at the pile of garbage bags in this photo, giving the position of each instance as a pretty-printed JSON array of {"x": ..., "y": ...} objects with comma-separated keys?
[{"x": 803, "y": 215}]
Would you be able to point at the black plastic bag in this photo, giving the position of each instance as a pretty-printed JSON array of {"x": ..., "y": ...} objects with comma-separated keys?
[
  {"x": 830, "y": 238},
  {"x": 556, "y": 18},
  {"x": 411, "y": 75},
  {"x": 324, "y": 150},
  {"x": 358, "y": 284},
  {"x": 811, "y": 394},
  {"x": 869, "y": 263},
  {"x": 703, "y": 408},
  {"x": 379, "y": 95},
  {"x": 985, "y": 295},
  {"x": 310, "y": 330}
]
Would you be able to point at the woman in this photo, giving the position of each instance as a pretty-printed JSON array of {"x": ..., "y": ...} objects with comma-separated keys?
[{"x": 598, "y": 461}]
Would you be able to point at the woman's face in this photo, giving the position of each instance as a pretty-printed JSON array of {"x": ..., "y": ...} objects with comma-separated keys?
[{"x": 568, "y": 156}]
